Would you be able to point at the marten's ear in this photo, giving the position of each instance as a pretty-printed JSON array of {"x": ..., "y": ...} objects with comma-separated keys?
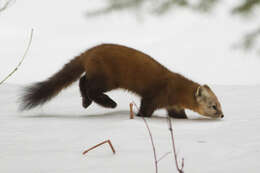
[
  {"x": 201, "y": 93},
  {"x": 198, "y": 92},
  {"x": 206, "y": 86}
]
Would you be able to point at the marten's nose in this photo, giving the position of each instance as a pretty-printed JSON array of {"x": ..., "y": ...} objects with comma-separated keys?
[{"x": 222, "y": 116}]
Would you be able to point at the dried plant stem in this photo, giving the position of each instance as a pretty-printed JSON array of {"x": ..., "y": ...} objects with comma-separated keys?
[
  {"x": 25, "y": 53},
  {"x": 5, "y": 6},
  {"x": 111, "y": 146},
  {"x": 107, "y": 141},
  {"x": 131, "y": 111},
  {"x": 154, "y": 151},
  {"x": 156, "y": 161},
  {"x": 163, "y": 156},
  {"x": 150, "y": 134},
  {"x": 180, "y": 170}
]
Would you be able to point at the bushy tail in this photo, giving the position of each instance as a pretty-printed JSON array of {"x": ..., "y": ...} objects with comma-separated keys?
[{"x": 39, "y": 93}]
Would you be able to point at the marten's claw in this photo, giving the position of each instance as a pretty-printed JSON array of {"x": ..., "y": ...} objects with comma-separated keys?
[
  {"x": 113, "y": 104},
  {"x": 86, "y": 102}
]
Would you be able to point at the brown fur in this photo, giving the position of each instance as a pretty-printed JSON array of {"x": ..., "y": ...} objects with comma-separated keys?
[
  {"x": 110, "y": 66},
  {"x": 42, "y": 92},
  {"x": 122, "y": 67}
]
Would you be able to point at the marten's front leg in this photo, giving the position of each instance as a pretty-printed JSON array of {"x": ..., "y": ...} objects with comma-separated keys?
[
  {"x": 176, "y": 112},
  {"x": 95, "y": 89},
  {"x": 82, "y": 86},
  {"x": 146, "y": 109}
]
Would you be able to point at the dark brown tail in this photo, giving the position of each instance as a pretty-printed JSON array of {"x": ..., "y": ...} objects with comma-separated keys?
[{"x": 41, "y": 92}]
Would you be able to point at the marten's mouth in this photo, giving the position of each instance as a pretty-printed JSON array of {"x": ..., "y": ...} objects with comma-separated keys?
[
  {"x": 218, "y": 116},
  {"x": 221, "y": 116}
]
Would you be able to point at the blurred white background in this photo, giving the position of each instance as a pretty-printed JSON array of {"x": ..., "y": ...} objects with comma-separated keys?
[{"x": 196, "y": 45}]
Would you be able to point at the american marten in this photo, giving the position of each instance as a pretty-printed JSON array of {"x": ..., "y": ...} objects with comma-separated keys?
[{"x": 111, "y": 66}]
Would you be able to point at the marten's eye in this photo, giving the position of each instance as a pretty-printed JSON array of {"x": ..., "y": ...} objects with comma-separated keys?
[{"x": 214, "y": 107}]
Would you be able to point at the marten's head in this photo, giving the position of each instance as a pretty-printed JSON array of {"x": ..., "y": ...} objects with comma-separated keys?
[{"x": 208, "y": 104}]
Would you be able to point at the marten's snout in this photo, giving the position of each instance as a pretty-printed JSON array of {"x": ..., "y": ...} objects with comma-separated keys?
[{"x": 220, "y": 115}]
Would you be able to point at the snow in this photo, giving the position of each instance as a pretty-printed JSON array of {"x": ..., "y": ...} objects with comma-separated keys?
[{"x": 53, "y": 137}]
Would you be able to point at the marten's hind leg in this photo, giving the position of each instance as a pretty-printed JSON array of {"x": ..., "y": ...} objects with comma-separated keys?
[
  {"x": 147, "y": 108},
  {"x": 176, "y": 112},
  {"x": 95, "y": 89},
  {"x": 86, "y": 101}
]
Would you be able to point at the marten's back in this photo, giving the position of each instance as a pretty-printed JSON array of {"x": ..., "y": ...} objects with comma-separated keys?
[{"x": 124, "y": 67}]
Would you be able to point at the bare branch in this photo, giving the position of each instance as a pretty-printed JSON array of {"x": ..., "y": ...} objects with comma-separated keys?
[
  {"x": 4, "y": 7},
  {"x": 131, "y": 111},
  {"x": 19, "y": 64},
  {"x": 163, "y": 156},
  {"x": 154, "y": 151},
  {"x": 180, "y": 170},
  {"x": 107, "y": 141},
  {"x": 151, "y": 139}
]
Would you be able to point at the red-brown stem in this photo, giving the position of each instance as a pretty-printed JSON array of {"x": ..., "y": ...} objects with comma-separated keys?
[
  {"x": 152, "y": 141},
  {"x": 107, "y": 141},
  {"x": 162, "y": 157},
  {"x": 154, "y": 151},
  {"x": 131, "y": 111},
  {"x": 111, "y": 146},
  {"x": 180, "y": 170}
]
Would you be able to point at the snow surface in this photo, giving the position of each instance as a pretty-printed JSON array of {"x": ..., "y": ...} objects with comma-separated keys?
[{"x": 52, "y": 138}]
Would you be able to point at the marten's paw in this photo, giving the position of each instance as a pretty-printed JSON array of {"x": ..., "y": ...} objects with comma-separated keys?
[
  {"x": 177, "y": 113},
  {"x": 143, "y": 115},
  {"x": 112, "y": 104},
  {"x": 86, "y": 102},
  {"x": 105, "y": 101}
]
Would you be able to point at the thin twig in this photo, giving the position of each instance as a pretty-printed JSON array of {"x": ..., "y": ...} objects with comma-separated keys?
[
  {"x": 180, "y": 170},
  {"x": 5, "y": 6},
  {"x": 25, "y": 53},
  {"x": 166, "y": 154},
  {"x": 151, "y": 138},
  {"x": 131, "y": 111},
  {"x": 111, "y": 146},
  {"x": 154, "y": 151},
  {"x": 107, "y": 141}
]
